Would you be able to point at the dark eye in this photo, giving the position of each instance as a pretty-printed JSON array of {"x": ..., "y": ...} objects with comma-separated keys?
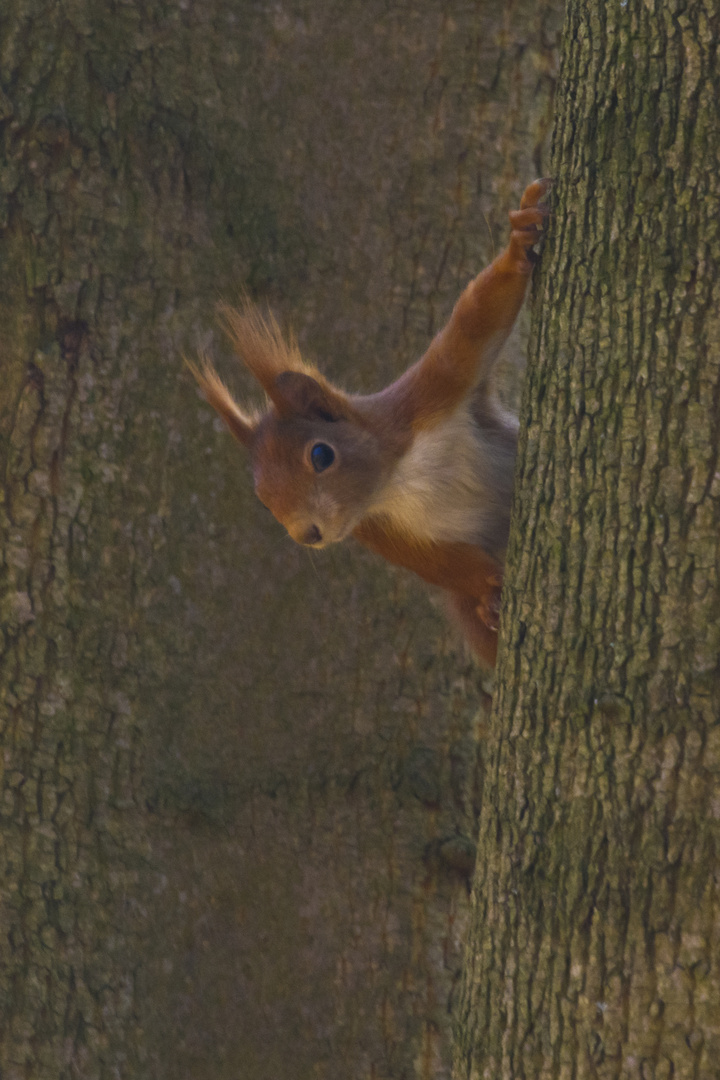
[{"x": 322, "y": 456}]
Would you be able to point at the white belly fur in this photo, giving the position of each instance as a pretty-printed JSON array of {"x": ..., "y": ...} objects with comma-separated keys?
[{"x": 453, "y": 484}]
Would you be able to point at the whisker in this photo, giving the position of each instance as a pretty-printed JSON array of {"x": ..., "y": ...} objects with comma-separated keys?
[{"x": 313, "y": 563}]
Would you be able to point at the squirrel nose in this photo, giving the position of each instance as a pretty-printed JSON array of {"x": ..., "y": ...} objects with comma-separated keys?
[{"x": 312, "y": 536}]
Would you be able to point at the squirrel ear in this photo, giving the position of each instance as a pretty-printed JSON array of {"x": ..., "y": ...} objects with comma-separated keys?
[
  {"x": 295, "y": 394},
  {"x": 241, "y": 424}
]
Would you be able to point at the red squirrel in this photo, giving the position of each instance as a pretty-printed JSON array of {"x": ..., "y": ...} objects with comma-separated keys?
[{"x": 421, "y": 472}]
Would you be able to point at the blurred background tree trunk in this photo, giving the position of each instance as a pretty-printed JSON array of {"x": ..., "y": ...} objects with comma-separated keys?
[
  {"x": 595, "y": 936},
  {"x": 240, "y": 782}
]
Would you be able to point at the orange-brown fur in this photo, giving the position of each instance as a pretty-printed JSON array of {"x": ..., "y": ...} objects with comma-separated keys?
[{"x": 421, "y": 473}]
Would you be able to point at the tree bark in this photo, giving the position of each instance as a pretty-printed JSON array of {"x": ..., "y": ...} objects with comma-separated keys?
[
  {"x": 240, "y": 786},
  {"x": 594, "y": 947}
]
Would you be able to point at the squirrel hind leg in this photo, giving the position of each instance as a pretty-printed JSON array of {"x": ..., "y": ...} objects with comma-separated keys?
[{"x": 478, "y": 625}]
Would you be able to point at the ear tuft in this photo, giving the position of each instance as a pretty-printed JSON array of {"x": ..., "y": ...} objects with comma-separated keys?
[
  {"x": 259, "y": 340},
  {"x": 241, "y": 424},
  {"x": 296, "y": 394}
]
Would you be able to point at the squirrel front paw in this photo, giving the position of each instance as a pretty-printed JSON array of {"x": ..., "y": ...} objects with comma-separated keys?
[{"x": 527, "y": 222}]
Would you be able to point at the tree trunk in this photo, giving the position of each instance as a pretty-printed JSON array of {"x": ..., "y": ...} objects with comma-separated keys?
[
  {"x": 594, "y": 946},
  {"x": 240, "y": 785}
]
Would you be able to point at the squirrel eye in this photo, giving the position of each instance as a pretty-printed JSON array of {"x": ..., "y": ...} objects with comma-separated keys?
[{"x": 322, "y": 456}]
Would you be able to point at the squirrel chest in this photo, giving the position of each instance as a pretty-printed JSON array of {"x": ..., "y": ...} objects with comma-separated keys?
[{"x": 453, "y": 484}]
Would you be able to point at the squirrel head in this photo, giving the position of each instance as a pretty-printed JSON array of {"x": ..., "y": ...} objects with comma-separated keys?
[{"x": 317, "y": 464}]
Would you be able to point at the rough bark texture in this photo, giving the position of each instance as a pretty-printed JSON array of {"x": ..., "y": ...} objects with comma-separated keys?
[
  {"x": 595, "y": 938},
  {"x": 240, "y": 785}
]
